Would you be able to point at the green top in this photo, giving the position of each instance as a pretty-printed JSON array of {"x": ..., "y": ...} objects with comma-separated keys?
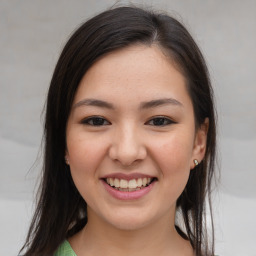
[{"x": 65, "y": 249}]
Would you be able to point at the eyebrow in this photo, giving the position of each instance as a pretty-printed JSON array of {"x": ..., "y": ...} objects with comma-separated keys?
[
  {"x": 94, "y": 102},
  {"x": 160, "y": 102},
  {"x": 143, "y": 105}
]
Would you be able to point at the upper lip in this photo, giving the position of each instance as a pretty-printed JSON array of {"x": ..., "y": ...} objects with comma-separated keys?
[{"x": 125, "y": 176}]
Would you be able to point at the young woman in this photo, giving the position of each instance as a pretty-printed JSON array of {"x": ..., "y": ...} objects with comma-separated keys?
[{"x": 129, "y": 142}]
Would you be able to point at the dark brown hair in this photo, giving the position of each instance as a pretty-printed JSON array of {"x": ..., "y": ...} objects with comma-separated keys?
[{"x": 61, "y": 211}]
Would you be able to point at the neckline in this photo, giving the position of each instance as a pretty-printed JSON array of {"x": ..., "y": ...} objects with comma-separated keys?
[{"x": 66, "y": 248}]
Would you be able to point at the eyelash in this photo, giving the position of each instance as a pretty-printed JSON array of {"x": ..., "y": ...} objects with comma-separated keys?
[
  {"x": 166, "y": 121},
  {"x": 93, "y": 119},
  {"x": 99, "y": 121}
]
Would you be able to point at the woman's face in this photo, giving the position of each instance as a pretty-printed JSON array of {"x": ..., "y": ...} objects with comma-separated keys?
[{"x": 131, "y": 138}]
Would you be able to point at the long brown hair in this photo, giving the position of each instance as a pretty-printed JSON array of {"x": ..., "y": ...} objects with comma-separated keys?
[{"x": 61, "y": 211}]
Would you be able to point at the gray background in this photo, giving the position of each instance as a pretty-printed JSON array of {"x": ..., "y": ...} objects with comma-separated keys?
[{"x": 32, "y": 34}]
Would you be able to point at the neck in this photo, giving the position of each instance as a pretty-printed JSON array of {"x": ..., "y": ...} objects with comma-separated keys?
[{"x": 160, "y": 238}]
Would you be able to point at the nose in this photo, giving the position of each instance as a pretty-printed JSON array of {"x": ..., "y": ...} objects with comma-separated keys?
[{"x": 127, "y": 146}]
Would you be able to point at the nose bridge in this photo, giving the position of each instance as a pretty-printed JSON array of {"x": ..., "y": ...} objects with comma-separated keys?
[{"x": 128, "y": 145}]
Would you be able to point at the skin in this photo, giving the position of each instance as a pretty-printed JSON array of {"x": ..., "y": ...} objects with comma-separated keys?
[{"x": 132, "y": 139}]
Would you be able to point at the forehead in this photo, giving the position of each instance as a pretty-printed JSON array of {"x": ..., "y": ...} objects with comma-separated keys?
[{"x": 137, "y": 72}]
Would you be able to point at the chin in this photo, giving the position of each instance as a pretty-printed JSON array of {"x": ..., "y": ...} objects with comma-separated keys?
[{"x": 130, "y": 222}]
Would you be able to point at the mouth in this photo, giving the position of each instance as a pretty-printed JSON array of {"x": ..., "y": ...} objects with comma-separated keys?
[{"x": 129, "y": 185}]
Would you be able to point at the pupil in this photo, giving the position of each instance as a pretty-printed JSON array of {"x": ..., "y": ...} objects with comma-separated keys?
[
  {"x": 98, "y": 121},
  {"x": 159, "y": 121}
]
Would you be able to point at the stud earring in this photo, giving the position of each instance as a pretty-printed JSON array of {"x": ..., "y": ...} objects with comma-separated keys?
[{"x": 196, "y": 162}]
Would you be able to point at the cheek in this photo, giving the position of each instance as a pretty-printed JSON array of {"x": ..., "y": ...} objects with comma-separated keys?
[
  {"x": 85, "y": 153},
  {"x": 85, "y": 157},
  {"x": 174, "y": 154},
  {"x": 173, "y": 160}
]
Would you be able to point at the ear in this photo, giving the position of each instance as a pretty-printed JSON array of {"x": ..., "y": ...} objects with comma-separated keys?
[
  {"x": 67, "y": 157},
  {"x": 200, "y": 143}
]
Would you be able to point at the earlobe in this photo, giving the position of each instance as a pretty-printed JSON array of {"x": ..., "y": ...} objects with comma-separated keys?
[
  {"x": 66, "y": 158},
  {"x": 200, "y": 143}
]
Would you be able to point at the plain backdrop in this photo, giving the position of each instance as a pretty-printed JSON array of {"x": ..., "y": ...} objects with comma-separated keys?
[{"x": 32, "y": 34}]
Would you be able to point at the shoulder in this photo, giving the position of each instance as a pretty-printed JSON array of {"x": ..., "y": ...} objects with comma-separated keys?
[{"x": 65, "y": 250}]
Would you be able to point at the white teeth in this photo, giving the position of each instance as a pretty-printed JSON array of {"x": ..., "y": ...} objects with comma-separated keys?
[
  {"x": 111, "y": 182},
  {"x": 131, "y": 184},
  {"x": 144, "y": 181},
  {"x": 116, "y": 183},
  {"x": 123, "y": 184},
  {"x": 139, "y": 182}
]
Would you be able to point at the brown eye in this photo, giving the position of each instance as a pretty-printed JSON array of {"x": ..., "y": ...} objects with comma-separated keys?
[
  {"x": 160, "y": 121},
  {"x": 95, "y": 121}
]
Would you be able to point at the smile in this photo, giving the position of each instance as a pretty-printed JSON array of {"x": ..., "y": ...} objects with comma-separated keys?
[{"x": 129, "y": 185}]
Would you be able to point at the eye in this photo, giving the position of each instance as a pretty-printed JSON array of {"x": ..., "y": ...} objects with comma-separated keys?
[
  {"x": 95, "y": 121},
  {"x": 160, "y": 121}
]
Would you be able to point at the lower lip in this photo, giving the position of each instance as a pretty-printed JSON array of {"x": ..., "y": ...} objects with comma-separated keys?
[{"x": 124, "y": 195}]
